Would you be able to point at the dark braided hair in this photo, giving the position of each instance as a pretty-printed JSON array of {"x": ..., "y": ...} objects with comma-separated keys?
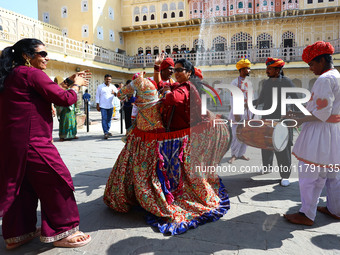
[{"x": 12, "y": 56}]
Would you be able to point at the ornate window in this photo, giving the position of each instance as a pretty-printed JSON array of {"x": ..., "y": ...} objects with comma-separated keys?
[
  {"x": 147, "y": 50},
  {"x": 136, "y": 19},
  {"x": 219, "y": 43},
  {"x": 46, "y": 17},
  {"x": 181, "y": 14},
  {"x": 198, "y": 44},
  {"x": 231, "y": 7},
  {"x": 240, "y": 5},
  {"x": 241, "y": 41},
  {"x": 85, "y": 31},
  {"x": 111, "y": 13},
  {"x": 249, "y": 5},
  {"x": 173, "y": 15},
  {"x": 152, "y": 17},
  {"x": 288, "y": 40},
  {"x": 168, "y": 49},
  {"x": 64, "y": 12},
  {"x": 100, "y": 33},
  {"x": 264, "y": 41},
  {"x": 217, "y": 8},
  {"x": 112, "y": 35},
  {"x": 155, "y": 50},
  {"x": 264, "y": 3},
  {"x": 144, "y": 18},
  {"x": 165, "y": 16},
  {"x": 84, "y": 6}
]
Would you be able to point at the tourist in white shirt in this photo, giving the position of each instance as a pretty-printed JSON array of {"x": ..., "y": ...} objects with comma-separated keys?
[{"x": 105, "y": 103}]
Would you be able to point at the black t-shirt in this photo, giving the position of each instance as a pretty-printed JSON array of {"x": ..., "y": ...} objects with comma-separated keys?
[{"x": 266, "y": 95}]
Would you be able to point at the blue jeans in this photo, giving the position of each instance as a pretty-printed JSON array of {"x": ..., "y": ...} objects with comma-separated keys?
[{"x": 106, "y": 119}]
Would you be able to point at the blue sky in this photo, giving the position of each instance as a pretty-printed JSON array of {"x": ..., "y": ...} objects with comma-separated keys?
[{"x": 26, "y": 7}]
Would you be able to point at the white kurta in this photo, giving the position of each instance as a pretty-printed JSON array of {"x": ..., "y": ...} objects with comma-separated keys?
[
  {"x": 319, "y": 141},
  {"x": 318, "y": 147},
  {"x": 238, "y": 148}
]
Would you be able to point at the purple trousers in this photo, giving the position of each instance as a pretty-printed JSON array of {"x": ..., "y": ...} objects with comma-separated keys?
[{"x": 59, "y": 212}]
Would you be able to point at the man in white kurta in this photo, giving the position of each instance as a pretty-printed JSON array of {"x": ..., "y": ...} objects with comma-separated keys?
[
  {"x": 238, "y": 149},
  {"x": 318, "y": 145}
]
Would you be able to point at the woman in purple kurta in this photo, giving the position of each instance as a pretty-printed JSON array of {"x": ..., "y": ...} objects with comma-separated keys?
[{"x": 30, "y": 165}]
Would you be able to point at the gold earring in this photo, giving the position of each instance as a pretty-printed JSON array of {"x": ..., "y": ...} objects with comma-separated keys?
[{"x": 28, "y": 63}]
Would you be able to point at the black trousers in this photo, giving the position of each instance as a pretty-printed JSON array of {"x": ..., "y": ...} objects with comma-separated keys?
[
  {"x": 284, "y": 160},
  {"x": 127, "y": 115}
]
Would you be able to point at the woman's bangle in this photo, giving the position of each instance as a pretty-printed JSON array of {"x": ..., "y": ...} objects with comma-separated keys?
[{"x": 75, "y": 85}]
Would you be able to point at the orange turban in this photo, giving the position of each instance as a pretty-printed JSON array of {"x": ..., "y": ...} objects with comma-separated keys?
[
  {"x": 166, "y": 63},
  {"x": 198, "y": 73},
  {"x": 243, "y": 63},
  {"x": 317, "y": 49},
  {"x": 275, "y": 62}
]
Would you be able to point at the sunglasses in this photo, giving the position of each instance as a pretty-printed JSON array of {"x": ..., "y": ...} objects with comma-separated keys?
[
  {"x": 42, "y": 53},
  {"x": 179, "y": 70}
]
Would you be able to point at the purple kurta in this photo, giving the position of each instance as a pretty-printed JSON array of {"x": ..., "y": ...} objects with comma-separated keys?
[{"x": 26, "y": 122}]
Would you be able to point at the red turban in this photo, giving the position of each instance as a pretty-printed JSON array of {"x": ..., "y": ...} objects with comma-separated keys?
[
  {"x": 166, "y": 63},
  {"x": 135, "y": 76},
  {"x": 317, "y": 49},
  {"x": 275, "y": 62},
  {"x": 198, "y": 73}
]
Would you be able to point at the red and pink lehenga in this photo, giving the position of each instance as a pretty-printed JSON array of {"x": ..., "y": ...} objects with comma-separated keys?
[{"x": 165, "y": 172}]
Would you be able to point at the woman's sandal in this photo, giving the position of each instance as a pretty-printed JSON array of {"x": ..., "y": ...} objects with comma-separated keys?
[
  {"x": 11, "y": 246},
  {"x": 67, "y": 243}
]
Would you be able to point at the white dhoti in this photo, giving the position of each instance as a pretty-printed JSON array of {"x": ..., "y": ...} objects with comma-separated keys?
[
  {"x": 237, "y": 148},
  {"x": 312, "y": 180}
]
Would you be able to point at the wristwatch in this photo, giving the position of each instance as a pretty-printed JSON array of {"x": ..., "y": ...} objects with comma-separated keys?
[{"x": 68, "y": 81}]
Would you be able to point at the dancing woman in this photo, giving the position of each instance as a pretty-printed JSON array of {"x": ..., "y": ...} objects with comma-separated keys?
[
  {"x": 164, "y": 172},
  {"x": 31, "y": 168}
]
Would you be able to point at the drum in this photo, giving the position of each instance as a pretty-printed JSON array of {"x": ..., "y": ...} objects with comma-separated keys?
[{"x": 264, "y": 134}]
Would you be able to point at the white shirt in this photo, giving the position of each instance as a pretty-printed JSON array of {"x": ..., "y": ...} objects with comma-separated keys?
[
  {"x": 319, "y": 141},
  {"x": 104, "y": 96}
]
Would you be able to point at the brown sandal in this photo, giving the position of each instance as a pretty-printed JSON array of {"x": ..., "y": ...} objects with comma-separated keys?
[{"x": 324, "y": 209}]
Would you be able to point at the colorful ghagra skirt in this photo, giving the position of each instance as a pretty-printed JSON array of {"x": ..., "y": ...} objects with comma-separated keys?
[{"x": 164, "y": 173}]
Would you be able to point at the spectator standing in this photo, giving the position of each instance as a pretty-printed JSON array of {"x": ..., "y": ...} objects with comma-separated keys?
[
  {"x": 238, "y": 149},
  {"x": 104, "y": 100}
]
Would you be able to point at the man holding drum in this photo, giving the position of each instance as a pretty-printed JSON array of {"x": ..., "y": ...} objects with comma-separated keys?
[
  {"x": 318, "y": 145},
  {"x": 276, "y": 80},
  {"x": 238, "y": 148}
]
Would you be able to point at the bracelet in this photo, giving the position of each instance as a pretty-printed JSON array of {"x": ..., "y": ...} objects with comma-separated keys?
[
  {"x": 68, "y": 81},
  {"x": 75, "y": 85},
  {"x": 156, "y": 68}
]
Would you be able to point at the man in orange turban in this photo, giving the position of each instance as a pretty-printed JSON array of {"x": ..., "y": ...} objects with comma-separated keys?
[
  {"x": 276, "y": 80},
  {"x": 318, "y": 145},
  {"x": 238, "y": 148}
]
